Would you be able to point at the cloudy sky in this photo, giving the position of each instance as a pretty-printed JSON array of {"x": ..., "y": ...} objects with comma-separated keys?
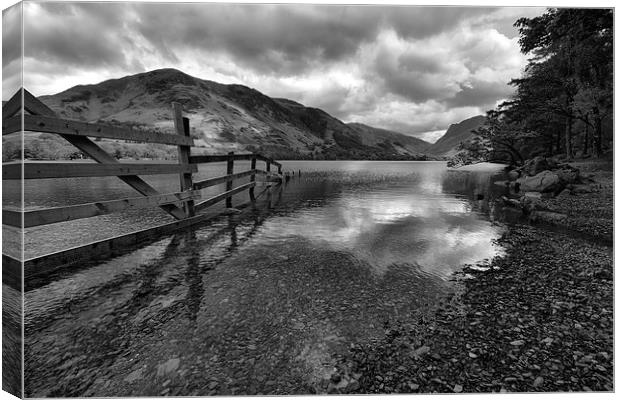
[{"x": 411, "y": 69}]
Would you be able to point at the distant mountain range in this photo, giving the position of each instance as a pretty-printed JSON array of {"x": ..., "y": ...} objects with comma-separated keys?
[{"x": 236, "y": 118}]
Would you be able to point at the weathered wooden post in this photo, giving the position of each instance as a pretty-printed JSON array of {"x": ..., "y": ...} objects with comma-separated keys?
[
  {"x": 253, "y": 177},
  {"x": 229, "y": 182},
  {"x": 181, "y": 125}
]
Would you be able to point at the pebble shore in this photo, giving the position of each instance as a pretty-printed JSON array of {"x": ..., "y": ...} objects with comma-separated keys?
[{"x": 538, "y": 319}]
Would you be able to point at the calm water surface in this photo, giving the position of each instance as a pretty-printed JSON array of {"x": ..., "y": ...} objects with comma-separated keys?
[{"x": 253, "y": 303}]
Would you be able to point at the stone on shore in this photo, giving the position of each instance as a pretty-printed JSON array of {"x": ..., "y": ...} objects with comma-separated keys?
[
  {"x": 543, "y": 182},
  {"x": 511, "y": 202},
  {"x": 535, "y": 166},
  {"x": 513, "y": 175},
  {"x": 547, "y": 217},
  {"x": 502, "y": 336},
  {"x": 532, "y": 195},
  {"x": 581, "y": 188},
  {"x": 568, "y": 174},
  {"x": 421, "y": 351},
  {"x": 167, "y": 367},
  {"x": 564, "y": 193}
]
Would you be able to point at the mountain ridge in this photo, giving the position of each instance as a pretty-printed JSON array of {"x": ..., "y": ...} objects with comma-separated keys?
[
  {"x": 457, "y": 133},
  {"x": 231, "y": 118}
]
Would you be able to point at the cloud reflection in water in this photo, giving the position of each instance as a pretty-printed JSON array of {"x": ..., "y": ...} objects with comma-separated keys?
[{"x": 414, "y": 223}]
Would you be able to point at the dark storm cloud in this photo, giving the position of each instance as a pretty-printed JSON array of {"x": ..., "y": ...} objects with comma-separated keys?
[
  {"x": 83, "y": 35},
  {"x": 11, "y": 34},
  {"x": 414, "y": 76},
  {"x": 269, "y": 38},
  {"x": 332, "y": 99},
  {"x": 287, "y": 38},
  {"x": 419, "y": 62},
  {"x": 422, "y": 22},
  {"x": 389, "y": 64},
  {"x": 281, "y": 39},
  {"x": 412, "y": 85},
  {"x": 11, "y": 51},
  {"x": 483, "y": 94}
]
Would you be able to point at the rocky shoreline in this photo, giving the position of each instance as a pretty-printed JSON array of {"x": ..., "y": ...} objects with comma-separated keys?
[
  {"x": 539, "y": 319},
  {"x": 577, "y": 197}
]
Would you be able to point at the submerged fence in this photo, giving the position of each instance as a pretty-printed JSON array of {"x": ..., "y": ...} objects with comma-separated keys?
[{"x": 182, "y": 205}]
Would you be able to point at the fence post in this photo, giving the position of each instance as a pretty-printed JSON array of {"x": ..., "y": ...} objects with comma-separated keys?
[
  {"x": 181, "y": 125},
  {"x": 268, "y": 165},
  {"x": 280, "y": 169},
  {"x": 229, "y": 182},
  {"x": 253, "y": 177}
]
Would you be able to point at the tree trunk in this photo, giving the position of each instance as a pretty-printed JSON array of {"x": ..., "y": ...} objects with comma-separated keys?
[
  {"x": 550, "y": 148},
  {"x": 568, "y": 137},
  {"x": 597, "y": 135},
  {"x": 586, "y": 141},
  {"x": 598, "y": 124}
]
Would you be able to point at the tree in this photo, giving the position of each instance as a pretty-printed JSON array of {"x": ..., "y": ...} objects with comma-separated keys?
[
  {"x": 566, "y": 86},
  {"x": 575, "y": 47},
  {"x": 498, "y": 140}
]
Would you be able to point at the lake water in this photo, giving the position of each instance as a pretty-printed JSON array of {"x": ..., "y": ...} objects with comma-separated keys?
[{"x": 253, "y": 303}]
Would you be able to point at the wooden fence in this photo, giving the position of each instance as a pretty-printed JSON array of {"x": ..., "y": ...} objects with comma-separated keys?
[{"x": 182, "y": 205}]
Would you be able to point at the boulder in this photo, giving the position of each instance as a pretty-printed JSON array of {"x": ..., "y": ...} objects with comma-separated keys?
[
  {"x": 559, "y": 157},
  {"x": 511, "y": 202},
  {"x": 587, "y": 177},
  {"x": 169, "y": 366},
  {"x": 548, "y": 195},
  {"x": 535, "y": 166},
  {"x": 420, "y": 351},
  {"x": 543, "y": 182},
  {"x": 548, "y": 217},
  {"x": 564, "y": 193},
  {"x": 514, "y": 187},
  {"x": 568, "y": 174},
  {"x": 513, "y": 175},
  {"x": 532, "y": 195},
  {"x": 581, "y": 189},
  {"x": 531, "y": 201}
]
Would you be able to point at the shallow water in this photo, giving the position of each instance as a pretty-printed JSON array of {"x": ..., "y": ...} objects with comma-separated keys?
[{"x": 261, "y": 302}]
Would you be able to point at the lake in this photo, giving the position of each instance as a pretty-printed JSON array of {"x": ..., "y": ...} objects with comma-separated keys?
[{"x": 260, "y": 302}]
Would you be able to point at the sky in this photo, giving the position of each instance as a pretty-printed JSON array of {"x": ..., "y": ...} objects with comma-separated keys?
[{"x": 415, "y": 70}]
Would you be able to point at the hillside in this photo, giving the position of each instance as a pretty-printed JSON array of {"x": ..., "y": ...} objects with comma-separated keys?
[
  {"x": 229, "y": 118},
  {"x": 404, "y": 144},
  {"x": 456, "y": 133}
]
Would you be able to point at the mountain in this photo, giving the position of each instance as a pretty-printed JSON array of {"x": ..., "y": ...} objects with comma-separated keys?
[
  {"x": 227, "y": 118},
  {"x": 456, "y": 133},
  {"x": 402, "y": 143}
]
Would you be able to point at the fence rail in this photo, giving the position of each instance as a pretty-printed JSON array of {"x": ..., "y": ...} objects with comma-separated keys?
[
  {"x": 61, "y": 214},
  {"x": 40, "y": 123},
  {"x": 224, "y": 196},
  {"x": 181, "y": 205},
  {"x": 44, "y": 170},
  {"x": 201, "y": 159},
  {"x": 225, "y": 178}
]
